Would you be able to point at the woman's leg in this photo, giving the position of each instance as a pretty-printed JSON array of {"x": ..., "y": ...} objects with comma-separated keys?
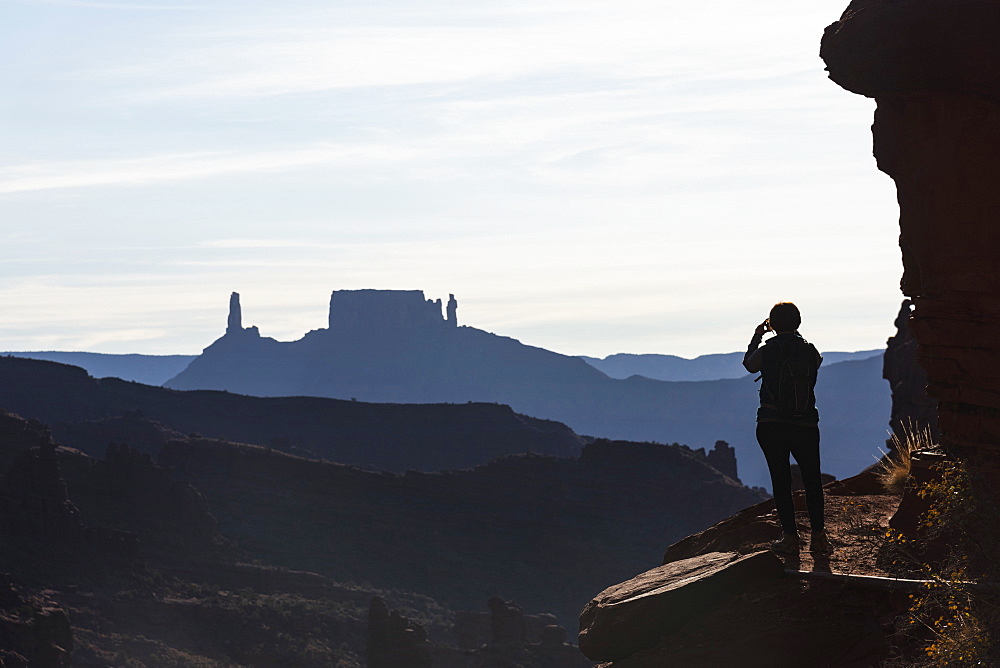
[
  {"x": 775, "y": 449},
  {"x": 805, "y": 449}
]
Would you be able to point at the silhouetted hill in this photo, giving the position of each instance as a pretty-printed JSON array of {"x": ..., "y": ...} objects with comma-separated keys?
[
  {"x": 186, "y": 561},
  {"x": 704, "y": 367},
  {"x": 849, "y": 394},
  {"x": 544, "y": 531},
  {"x": 147, "y": 369},
  {"x": 114, "y": 561},
  {"x": 388, "y": 346},
  {"x": 88, "y": 413}
]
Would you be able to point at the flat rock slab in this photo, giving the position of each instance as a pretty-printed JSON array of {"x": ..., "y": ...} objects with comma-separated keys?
[{"x": 635, "y": 615}]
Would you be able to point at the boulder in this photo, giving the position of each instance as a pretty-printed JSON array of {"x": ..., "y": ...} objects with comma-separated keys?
[
  {"x": 755, "y": 525},
  {"x": 635, "y": 615}
]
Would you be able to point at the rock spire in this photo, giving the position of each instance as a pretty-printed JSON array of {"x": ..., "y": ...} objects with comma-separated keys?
[
  {"x": 723, "y": 458},
  {"x": 912, "y": 409},
  {"x": 235, "y": 324},
  {"x": 452, "y": 318}
]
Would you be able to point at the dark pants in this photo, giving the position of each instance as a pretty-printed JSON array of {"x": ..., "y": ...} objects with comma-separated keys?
[{"x": 778, "y": 440}]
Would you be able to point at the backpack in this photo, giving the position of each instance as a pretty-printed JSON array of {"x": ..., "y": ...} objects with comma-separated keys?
[{"x": 792, "y": 371}]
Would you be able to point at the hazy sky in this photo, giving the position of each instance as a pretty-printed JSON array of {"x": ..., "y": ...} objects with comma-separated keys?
[{"x": 589, "y": 177}]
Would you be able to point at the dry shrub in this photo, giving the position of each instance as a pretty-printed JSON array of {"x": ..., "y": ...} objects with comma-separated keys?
[
  {"x": 955, "y": 620},
  {"x": 895, "y": 466}
]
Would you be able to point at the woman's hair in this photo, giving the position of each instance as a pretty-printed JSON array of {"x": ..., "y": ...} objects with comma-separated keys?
[{"x": 785, "y": 317}]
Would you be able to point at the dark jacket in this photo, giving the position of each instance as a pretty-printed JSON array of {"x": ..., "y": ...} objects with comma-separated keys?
[{"x": 768, "y": 361}]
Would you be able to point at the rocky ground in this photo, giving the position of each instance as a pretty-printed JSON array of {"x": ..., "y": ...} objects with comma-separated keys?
[
  {"x": 857, "y": 520},
  {"x": 804, "y": 617}
]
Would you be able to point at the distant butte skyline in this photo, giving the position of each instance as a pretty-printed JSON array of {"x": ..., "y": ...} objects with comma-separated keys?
[
  {"x": 234, "y": 322},
  {"x": 407, "y": 308}
]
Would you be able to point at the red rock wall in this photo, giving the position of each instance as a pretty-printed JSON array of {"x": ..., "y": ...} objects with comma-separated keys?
[
  {"x": 912, "y": 409},
  {"x": 933, "y": 67}
]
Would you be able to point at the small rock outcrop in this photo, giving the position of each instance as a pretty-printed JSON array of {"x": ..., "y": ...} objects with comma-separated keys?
[
  {"x": 553, "y": 634},
  {"x": 475, "y": 629},
  {"x": 630, "y": 617},
  {"x": 931, "y": 67},
  {"x": 34, "y": 495},
  {"x": 17, "y": 434},
  {"x": 508, "y": 621},
  {"x": 132, "y": 427},
  {"x": 394, "y": 641},
  {"x": 723, "y": 458},
  {"x": 912, "y": 409},
  {"x": 507, "y": 637},
  {"x": 34, "y": 500},
  {"x": 34, "y": 631},
  {"x": 150, "y": 500}
]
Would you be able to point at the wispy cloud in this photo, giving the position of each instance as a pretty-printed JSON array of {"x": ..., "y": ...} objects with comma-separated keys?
[
  {"x": 256, "y": 243},
  {"x": 308, "y": 52},
  {"x": 135, "y": 6},
  {"x": 43, "y": 175},
  {"x": 626, "y": 138}
]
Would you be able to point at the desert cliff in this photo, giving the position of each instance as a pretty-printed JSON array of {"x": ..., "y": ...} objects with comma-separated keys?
[{"x": 932, "y": 68}]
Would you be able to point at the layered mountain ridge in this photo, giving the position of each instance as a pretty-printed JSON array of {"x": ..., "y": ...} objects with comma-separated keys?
[
  {"x": 395, "y": 346},
  {"x": 716, "y": 366},
  {"x": 88, "y": 413},
  {"x": 163, "y": 576}
]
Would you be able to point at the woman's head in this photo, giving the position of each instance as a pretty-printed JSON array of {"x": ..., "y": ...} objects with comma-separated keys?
[{"x": 784, "y": 317}]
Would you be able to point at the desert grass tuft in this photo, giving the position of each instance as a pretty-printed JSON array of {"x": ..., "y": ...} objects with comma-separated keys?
[{"x": 895, "y": 467}]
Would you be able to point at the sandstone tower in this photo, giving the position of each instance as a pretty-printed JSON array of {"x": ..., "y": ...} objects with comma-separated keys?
[{"x": 932, "y": 67}]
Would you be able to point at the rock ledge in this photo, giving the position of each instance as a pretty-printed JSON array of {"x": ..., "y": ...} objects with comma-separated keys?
[{"x": 634, "y": 615}]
